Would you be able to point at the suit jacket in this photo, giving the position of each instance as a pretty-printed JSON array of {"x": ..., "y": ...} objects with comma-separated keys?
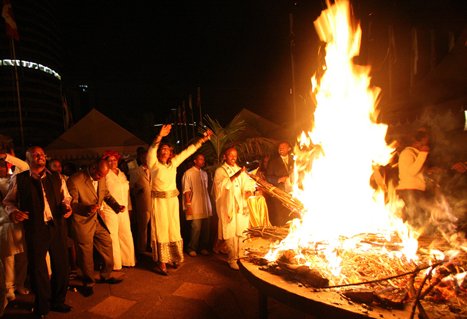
[
  {"x": 277, "y": 169},
  {"x": 140, "y": 186},
  {"x": 83, "y": 197}
]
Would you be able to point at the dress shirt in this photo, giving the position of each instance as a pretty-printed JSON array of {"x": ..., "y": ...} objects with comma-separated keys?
[{"x": 10, "y": 200}]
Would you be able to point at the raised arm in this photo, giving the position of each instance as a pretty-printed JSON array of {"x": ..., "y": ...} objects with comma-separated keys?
[
  {"x": 191, "y": 149},
  {"x": 152, "y": 151},
  {"x": 19, "y": 164}
]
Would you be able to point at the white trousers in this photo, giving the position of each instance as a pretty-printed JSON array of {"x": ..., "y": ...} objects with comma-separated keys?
[
  {"x": 16, "y": 269},
  {"x": 234, "y": 247}
]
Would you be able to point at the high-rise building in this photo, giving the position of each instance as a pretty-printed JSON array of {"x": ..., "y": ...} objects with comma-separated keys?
[{"x": 31, "y": 108}]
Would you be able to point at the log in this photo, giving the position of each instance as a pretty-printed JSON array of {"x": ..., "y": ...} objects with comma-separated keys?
[
  {"x": 311, "y": 277},
  {"x": 360, "y": 296},
  {"x": 392, "y": 298}
]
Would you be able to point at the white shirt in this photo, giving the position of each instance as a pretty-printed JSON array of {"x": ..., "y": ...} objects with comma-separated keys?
[
  {"x": 195, "y": 180},
  {"x": 11, "y": 202}
]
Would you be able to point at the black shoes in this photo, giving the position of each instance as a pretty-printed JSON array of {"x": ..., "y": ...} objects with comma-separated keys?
[
  {"x": 61, "y": 307},
  {"x": 86, "y": 291},
  {"x": 112, "y": 280},
  {"x": 161, "y": 269}
]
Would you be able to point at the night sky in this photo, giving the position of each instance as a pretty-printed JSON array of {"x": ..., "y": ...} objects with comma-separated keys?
[
  {"x": 142, "y": 58},
  {"x": 150, "y": 58}
]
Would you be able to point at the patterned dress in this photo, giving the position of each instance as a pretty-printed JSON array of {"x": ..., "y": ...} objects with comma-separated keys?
[{"x": 166, "y": 239}]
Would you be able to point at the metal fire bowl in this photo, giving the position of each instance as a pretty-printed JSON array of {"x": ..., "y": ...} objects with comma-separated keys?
[{"x": 322, "y": 304}]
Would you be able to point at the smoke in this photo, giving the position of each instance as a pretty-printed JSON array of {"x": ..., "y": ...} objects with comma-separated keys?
[
  {"x": 448, "y": 139},
  {"x": 447, "y": 186}
]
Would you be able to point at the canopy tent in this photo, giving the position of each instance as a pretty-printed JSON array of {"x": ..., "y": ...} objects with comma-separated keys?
[
  {"x": 90, "y": 137},
  {"x": 258, "y": 126}
]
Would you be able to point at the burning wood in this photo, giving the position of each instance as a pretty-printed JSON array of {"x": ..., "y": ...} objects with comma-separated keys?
[
  {"x": 272, "y": 232},
  {"x": 286, "y": 199},
  {"x": 391, "y": 284}
]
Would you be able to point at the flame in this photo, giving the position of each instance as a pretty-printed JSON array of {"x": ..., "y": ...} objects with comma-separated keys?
[{"x": 337, "y": 159}]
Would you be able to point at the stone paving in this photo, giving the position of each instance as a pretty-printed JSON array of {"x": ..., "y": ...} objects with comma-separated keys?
[{"x": 203, "y": 287}]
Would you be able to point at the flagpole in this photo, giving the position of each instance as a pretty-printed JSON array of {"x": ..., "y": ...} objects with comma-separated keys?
[
  {"x": 175, "y": 122},
  {"x": 184, "y": 121},
  {"x": 18, "y": 95},
  {"x": 292, "y": 65},
  {"x": 190, "y": 107},
  {"x": 198, "y": 104},
  {"x": 179, "y": 123}
]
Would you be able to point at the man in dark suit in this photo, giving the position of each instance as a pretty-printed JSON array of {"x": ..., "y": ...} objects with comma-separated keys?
[
  {"x": 88, "y": 190},
  {"x": 140, "y": 185},
  {"x": 40, "y": 200},
  {"x": 278, "y": 172}
]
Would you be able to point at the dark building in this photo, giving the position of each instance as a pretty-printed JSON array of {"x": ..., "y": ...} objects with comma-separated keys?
[{"x": 30, "y": 75}]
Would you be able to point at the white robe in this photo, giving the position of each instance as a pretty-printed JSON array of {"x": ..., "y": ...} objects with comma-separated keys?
[
  {"x": 231, "y": 201},
  {"x": 12, "y": 239},
  {"x": 119, "y": 224},
  {"x": 166, "y": 239}
]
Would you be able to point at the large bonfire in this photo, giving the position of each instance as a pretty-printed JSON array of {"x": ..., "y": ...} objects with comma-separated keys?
[{"x": 351, "y": 232}]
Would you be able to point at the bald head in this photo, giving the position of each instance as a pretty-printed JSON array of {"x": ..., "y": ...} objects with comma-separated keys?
[
  {"x": 99, "y": 169},
  {"x": 230, "y": 156},
  {"x": 36, "y": 158},
  {"x": 284, "y": 148}
]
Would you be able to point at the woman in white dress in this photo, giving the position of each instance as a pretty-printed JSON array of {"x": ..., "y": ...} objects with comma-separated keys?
[
  {"x": 166, "y": 239},
  {"x": 119, "y": 224}
]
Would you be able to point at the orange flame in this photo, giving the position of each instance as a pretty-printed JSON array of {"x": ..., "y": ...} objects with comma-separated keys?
[{"x": 332, "y": 179}]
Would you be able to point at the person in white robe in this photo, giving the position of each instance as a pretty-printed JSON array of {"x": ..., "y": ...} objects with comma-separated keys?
[
  {"x": 166, "y": 239},
  {"x": 12, "y": 241},
  {"x": 232, "y": 187},
  {"x": 119, "y": 224}
]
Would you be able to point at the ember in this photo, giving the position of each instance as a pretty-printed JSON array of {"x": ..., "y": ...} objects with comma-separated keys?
[{"x": 350, "y": 234}]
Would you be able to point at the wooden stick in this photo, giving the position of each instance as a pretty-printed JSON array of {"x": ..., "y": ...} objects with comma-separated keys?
[
  {"x": 417, "y": 298},
  {"x": 383, "y": 279}
]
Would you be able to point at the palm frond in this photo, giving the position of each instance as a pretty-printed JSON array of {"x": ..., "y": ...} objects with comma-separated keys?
[
  {"x": 223, "y": 136},
  {"x": 255, "y": 148},
  {"x": 249, "y": 149}
]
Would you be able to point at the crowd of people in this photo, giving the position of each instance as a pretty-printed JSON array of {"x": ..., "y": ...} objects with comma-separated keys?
[{"x": 53, "y": 223}]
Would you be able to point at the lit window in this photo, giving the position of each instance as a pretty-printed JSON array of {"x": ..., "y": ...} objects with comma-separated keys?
[{"x": 30, "y": 65}]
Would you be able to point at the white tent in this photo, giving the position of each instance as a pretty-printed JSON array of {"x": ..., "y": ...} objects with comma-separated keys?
[{"x": 90, "y": 137}]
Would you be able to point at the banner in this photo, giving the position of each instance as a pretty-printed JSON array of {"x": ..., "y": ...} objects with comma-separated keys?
[{"x": 10, "y": 23}]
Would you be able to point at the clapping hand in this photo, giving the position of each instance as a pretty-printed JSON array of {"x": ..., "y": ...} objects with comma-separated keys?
[
  {"x": 67, "y": 211},
  {"x": 93, "y": 209},
  {"x": 19, "y": 216}
]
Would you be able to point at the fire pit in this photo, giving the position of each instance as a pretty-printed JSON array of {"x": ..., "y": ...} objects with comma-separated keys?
[
  {"x": 336, "y": 303},
  {"x": 325, "y": 304}
]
